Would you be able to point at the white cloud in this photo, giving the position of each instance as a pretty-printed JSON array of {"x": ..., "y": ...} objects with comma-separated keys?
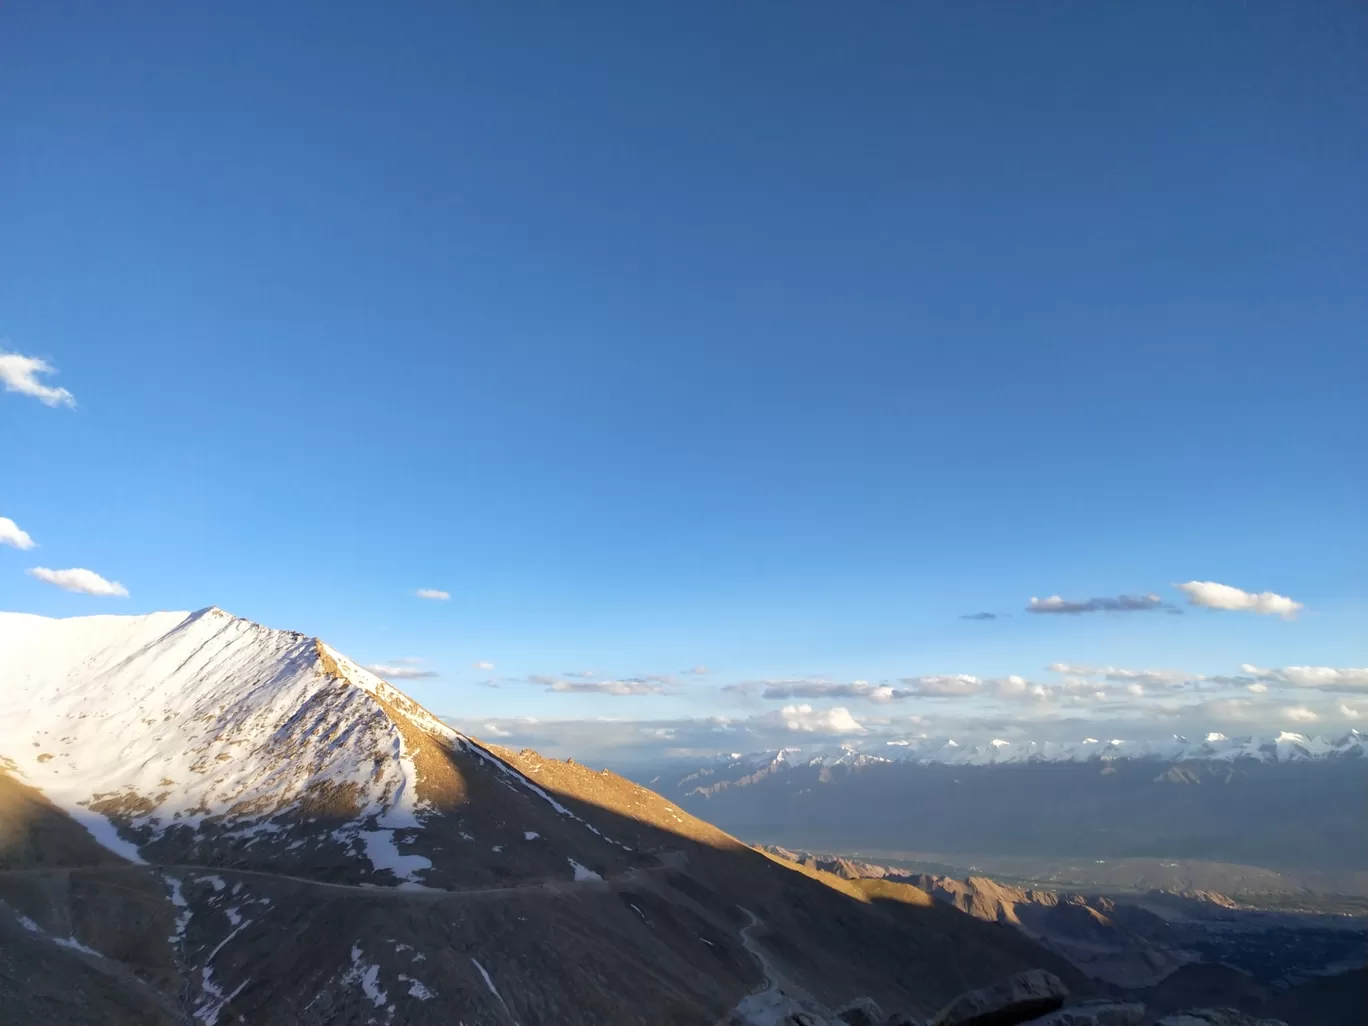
[
  {"x": 1257, "y": 688},
  {"x": 805, "y": 719},
  {"x": 494, "y": 730},
  {"x": 434, "y": 594},
  {"x": 400, "y": 669},
  {"x": 1010, "y": 687},
  {"x": 13, "y": 535},
  {"x": 483, "y": 665},
  {"x": 1136, "y": 689},
  {"x": 20, "y": 373},
  {"x": 87, "y": 582},
  {"x": 1300, "y": 714},
  {"x": 1223, "y": 596},
  {"x": 1348, "y": 711},
  {"x": 699, "y": 671}
]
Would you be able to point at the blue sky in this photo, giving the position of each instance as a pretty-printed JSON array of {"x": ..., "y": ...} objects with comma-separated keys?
[{"x": 771, "y": 339}]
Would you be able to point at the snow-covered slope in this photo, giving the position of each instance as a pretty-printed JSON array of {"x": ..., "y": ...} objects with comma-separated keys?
[{"x": 198, "y": 720}]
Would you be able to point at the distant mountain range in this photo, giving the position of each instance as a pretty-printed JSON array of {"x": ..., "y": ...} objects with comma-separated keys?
[
  {"x": 1282, "y": 812},
  {"x": 1285, "y": 747}
]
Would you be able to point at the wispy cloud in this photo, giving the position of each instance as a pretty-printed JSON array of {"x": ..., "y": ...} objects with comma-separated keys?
[
  {"x": 401, "y": 669},
  {"x": 781, "y": 690},
  {"x": 433, "y": 594},
  {"x": 1119, "y": 604},
  {"x": 1323, "y": 678},
  {"x": 13, "y": 535},
  {"x": 19, "y": 373},
  {"x": 1120, "y": 675},
  {"x": 583, "y": 674},
  {"x": 946, "y": 685},
  {"x": 482, "y": 665},
  {"x": 959, "y": 685},
  {"x": 979, "y": 616},
  {"x": 698, "y": 671},
  {"x": 630, "y": 686},
  {"x": 1300, "y": 714},
  {"x": 87, "y": 582},
  {"x": 1211, "y": 595}
]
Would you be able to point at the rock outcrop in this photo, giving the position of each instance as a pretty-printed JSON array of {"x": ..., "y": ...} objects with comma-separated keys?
[
  {"x": 1108, "y": 1014},
  {"x": 1016, "y": 999},
  {"x": 1037, "y": 998},
  {"x": 1216, "y": 1017}
]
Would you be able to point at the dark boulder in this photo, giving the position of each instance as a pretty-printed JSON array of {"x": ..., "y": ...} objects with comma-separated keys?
[
  {"x": 1099, "y": 1014},
  {"x": 1014, "y": 1000},
  {"x": 1216, "y": 1017},
  {"x": 862, "y": 1012}
]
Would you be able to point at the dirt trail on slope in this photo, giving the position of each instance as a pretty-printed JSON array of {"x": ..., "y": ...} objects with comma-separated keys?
[
  {"x": 779, "y": 999},
  {"x": 409, "y": 892}
]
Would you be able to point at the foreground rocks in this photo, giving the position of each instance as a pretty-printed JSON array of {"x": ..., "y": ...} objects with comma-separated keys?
[
  {"x": 1037, "y": 998},
  {"x": 1107, "y": 1014},
  {"x": 1016, "y": 999},
  {"x": 1216, "y": 1017}
]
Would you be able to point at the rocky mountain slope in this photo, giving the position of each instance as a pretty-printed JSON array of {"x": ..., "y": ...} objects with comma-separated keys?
[
  {"x": 203, "y": 820},
  {"x": 1164, "y": 950}
]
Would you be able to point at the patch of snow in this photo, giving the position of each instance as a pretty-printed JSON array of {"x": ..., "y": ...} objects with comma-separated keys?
[
  {"x": 214, "y": 881},
  {"x": 368, "y": 976},
  {"x": 224, "y": 943},
  {"x": 383, "y": 853},
  {"x": 530, "y": 835},
  {"x": 490, "y": 984},
  {"x": 416, "y": 988},
  {"x": 582, "y": 873},
  {"x": 213, "y": 999},
  {"x": 178, "y": 900},
  {"x": 234, "y": 917},
  {"x": 75, "y": 945}
]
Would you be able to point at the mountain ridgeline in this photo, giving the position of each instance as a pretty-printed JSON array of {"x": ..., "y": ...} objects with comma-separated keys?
[{"x": 204, "y": 820}]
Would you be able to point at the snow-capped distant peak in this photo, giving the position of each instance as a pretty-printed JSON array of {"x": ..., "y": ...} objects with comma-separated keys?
[{"x": 1214, "y": 747}]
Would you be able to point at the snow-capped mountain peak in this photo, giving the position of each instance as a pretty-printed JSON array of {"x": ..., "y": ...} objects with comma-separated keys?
[{"x": 205, "y": 721}]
